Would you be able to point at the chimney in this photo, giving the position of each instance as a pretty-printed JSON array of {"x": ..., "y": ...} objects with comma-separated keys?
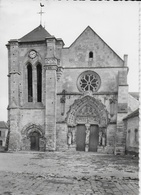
[{"x": 125, "y": 59}]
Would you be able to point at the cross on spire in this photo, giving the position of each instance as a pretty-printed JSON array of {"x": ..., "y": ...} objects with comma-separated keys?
[{"x": 41, "y": 13}]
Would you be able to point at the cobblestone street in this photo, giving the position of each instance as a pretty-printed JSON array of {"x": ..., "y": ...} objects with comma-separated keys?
[{"x": 67, "y": 173}]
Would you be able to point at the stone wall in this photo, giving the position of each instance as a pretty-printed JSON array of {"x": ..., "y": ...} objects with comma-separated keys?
[
  {"x": 31, "y": 116},
  {"x": 61, "y": 137},
  {"x": 68, "y": 80},
  {"x": 78, "y": 53},
  {"x": 110, "y": 145}
]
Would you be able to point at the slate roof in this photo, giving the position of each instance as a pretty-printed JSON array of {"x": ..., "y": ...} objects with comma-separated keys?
[
  {"x": 135, "y": 95},
  {"x": 38, "y": 34},
  {"x": 132, "y": 114},
  {"x": 3, "y": 125}
]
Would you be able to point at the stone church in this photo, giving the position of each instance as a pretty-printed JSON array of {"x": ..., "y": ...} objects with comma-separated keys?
[{"x": 66, "y": 98}]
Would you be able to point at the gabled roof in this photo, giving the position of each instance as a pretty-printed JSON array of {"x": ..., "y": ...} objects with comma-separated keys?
[
  {"x": 38, "y": 34},
  {"x": 132, "y": 114},
  {"x": 3, "y": 125},
  {"x": 88, "y": 27},
  {"x": 135, "y": 95}
]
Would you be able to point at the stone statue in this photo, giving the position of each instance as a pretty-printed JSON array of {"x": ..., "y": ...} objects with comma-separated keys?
[
  {"x": 103, "y": 140},
  {"x": 100, "y": 138},
  {"x": 69, "y": 138},
  {"x": 87, "y": 136}
]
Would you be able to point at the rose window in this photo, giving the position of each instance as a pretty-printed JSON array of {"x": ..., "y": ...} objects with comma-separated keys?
[{"x": 89, "y": 81}]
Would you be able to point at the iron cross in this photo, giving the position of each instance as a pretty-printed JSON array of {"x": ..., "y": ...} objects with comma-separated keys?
[{"x": 41, "y": 13}]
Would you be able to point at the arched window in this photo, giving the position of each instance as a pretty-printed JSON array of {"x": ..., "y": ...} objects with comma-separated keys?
[
  {"x": 91, "y": 54},
  {"x": 39, "y": 83},
  {"x": 29, "y": 82}
]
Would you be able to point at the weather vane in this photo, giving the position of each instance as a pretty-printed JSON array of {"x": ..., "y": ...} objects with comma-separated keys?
[{"x": 41, "y": 13}]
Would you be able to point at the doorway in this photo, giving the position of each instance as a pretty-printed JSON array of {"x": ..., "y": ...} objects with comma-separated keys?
[
  {"x": 94, "y": 138},
  {"x": 34, "y": 140},
  {"x": 80, "y": 137}
]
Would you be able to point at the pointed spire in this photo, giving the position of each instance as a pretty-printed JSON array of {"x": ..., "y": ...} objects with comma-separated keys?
[{"x": 38, "y": 34}]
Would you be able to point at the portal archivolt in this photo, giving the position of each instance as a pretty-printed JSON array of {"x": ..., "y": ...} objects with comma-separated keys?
[{"x": 87, "y": 110}]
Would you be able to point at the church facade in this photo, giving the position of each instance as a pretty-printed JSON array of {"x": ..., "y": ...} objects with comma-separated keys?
[{"x": 66, "y": 98}]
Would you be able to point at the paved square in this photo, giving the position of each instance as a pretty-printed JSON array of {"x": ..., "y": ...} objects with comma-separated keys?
[{"x": 67, "y": 173}]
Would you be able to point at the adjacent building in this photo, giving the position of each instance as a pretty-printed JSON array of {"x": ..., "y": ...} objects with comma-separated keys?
[
  {"x": 132, "y": 132},
  {"x": 3, "y": 135}
]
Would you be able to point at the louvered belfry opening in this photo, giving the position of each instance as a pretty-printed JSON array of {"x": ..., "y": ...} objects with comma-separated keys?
[
  {"x": 39, "y": 83},
  {"x": 29, "y": 80}
]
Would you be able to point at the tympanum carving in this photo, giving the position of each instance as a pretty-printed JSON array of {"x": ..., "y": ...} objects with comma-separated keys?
[{"x": 87, "y": 110}]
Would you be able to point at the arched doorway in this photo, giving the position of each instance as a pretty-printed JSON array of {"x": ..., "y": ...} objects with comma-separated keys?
[
  {"x": 34, "y": 141},
  {"x": 89, "y": 117},
  {"x": 33, "y": 138}
]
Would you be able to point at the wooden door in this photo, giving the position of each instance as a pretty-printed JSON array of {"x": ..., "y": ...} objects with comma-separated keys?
[
  {"x": 34, "y": 140},
  {"x": 94, "y": 138},
  {"x": 80, "y": 138}
]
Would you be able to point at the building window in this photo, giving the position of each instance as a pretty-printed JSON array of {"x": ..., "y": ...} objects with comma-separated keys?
[
  {"x": 39, "y": 83},
  {"x": 88, "y": 81},
  {"x": 29, "y": 81},
  {"x": 0, "y": 142},
  {"x": 136, "y": 135},
  {"x": 90, "y": 54}
]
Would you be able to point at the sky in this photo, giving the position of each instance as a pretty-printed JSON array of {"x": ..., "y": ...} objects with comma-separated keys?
[{"x": 117, "y": 23}]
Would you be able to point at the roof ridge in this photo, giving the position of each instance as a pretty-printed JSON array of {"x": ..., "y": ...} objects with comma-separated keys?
[
  {"x": 88, "y": 27},
  {"x": 37, "y": 34},
  {"x": 3, "y": 124},
  {"x": 133, "y": 113}
]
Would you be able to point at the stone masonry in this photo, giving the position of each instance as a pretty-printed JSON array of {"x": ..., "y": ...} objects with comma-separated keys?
[{"x": 63, "y": 98}]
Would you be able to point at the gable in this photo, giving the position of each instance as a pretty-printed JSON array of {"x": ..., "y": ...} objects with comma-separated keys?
[
  {"x": 133, "y": 103},
  {"x": 78, "y": 53}
]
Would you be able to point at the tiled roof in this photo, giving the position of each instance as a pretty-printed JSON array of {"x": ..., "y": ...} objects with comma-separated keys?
[
  {"x": 135, "y": 95},
  {"x": 38, "y": 34},
  {"x": 3, "y": 125},
  {"x": 132, "y": 114}
]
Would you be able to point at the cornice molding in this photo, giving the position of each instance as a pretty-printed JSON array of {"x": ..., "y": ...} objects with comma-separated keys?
[
  {"x": 86, "y": 67},
  {"x": 95, "y": 93}
]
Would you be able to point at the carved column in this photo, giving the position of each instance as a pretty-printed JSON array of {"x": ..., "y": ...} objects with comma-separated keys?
[{"x": 87, "y": 137}]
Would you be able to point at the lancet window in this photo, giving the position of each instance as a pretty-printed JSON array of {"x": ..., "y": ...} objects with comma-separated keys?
[
  {"x": 29, "y": 82},
  {"x": 39, "y": 83}
]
